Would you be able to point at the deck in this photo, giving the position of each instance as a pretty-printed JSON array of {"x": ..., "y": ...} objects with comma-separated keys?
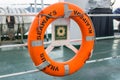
[{"x": 103, "y": 65}]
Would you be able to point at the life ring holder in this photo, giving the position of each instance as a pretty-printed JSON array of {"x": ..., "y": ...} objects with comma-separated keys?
[{"x": 36, "y": 38}]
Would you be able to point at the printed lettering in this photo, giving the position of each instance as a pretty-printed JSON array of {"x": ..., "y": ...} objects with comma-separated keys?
[
  {"x": 90, "y": 29},
  {"x": 43, "y": 22},
  {"x": 84, "y": 20},
  {"x": 54, "y": 68},
  {"x": 42, "y": 57},
  {"x": 39, "y": 29},
  {"x": 39, "y": 32},
  {"x": 76, "y": 13}
]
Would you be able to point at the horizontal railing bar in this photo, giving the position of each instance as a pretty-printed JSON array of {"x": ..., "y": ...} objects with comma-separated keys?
[
  {"x": 34, "y": 14},
  {"x": 13, "y": 45},
  {"x": 103, "y": 59},
  {"x": 104, "y": 15},
  {"x": 107, "y": 37},
  {"x": 13, "y": 14},
  {"x": 45, "y": 43},
  {"x": 19, "y": 73},
  {"x": 25, "y": 4}
]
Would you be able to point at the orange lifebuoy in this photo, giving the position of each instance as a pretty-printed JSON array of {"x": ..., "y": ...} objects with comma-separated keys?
[{"x": 36, "y": 39}]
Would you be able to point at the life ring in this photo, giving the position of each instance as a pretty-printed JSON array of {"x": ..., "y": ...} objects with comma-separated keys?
[{"x": 36, "y": 38}]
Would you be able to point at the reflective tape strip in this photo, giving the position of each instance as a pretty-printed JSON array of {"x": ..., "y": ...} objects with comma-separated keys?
[
  {"x": 43, "y": 65},
  {"x": 37, "y": 43},
  {"x": 90, "y": 38},
  {"x": 67, "y": 11},
  {"x": 66, "y": 69}
]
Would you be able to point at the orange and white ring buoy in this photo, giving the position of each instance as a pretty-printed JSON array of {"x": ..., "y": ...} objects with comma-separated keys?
[{"x": 36, "y": 38}]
